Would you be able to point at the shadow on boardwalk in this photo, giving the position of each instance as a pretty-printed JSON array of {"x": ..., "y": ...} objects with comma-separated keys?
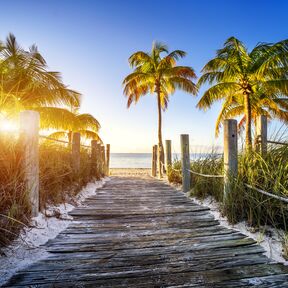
[{"x": 140, "y": 232}]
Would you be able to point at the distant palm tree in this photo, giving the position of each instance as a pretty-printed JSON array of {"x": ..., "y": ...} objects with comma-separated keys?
[
  {"x": 237, "y": 76},
  {"x": 66, "y": 122},
  {"x": 160, "y": 75},
  {"x": 25, "y": 81}
]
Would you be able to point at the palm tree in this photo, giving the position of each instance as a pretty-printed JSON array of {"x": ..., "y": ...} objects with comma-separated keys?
[
  {"x": 236, "y": 73},
  {"x": 160, "y": 75},
  {"x": 233, "y": 106},
  {"x": 66, "y": 122},
  {"x": 25, "y": 81}
]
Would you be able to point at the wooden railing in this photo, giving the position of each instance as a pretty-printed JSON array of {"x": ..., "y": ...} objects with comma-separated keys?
[
  {"x": 230, "y": 157},
  {"x": 29, "y": 136}
]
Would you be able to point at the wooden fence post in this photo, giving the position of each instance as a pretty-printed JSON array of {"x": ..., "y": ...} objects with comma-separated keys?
[
  {"x": 160, "y": 161},
  {"x": 29, "y": 135},
  {"x": 94, "y": 157},
  {"x": 185, "y": 158},
  {"x": 99, "y": 159},
  {"x": 168, "y": 154},
  {"x": 102, "y": 160},
  {"x": 76, "y": 152},
  {"x": 107, "y": 159},
  {"x": 261, "y": 134},
  {"x": 154, "y": 161},
  {"x": 230, "y": 155}
]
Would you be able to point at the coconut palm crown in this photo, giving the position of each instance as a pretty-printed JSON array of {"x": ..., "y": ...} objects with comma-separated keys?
[
  {"x": 25, "y": 81},
  {"x": 66, "y": 122},
  {"x": 247, "y": 82},
  {"x": 154, "y": 73}
]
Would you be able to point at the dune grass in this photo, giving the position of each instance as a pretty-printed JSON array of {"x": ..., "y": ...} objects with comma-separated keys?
[
  {"x": 14, "y": 206},
  {"x": 268, "y": 173},
  {"x": 58, "y": 183}
]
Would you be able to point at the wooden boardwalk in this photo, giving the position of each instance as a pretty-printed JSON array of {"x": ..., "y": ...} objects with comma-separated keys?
[{"x": 140, "y": 232}]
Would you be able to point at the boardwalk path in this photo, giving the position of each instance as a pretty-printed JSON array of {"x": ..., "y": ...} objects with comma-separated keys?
[{"x": 140, "y": 232}]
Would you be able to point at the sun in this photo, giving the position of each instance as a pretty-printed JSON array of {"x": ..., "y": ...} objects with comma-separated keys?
[{"x": 8, "y": 125}]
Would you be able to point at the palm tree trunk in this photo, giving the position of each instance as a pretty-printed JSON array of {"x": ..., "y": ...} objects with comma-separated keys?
[
  {"x": 247, "y": 108},
  {"x": 160, "y": 143}
]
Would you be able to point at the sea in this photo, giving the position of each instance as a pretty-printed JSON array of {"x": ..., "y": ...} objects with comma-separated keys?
[{"x": 141, "y": 160}]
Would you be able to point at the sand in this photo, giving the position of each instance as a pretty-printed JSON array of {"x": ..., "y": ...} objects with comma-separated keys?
[{"x": 130, "y": 172}]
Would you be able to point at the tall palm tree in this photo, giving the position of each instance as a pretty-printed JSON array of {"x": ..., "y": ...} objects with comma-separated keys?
[
  {"x": 25, "y": 81},
  {"x": 66, "y": 122},
  {"x": 160, "y": 75},
  {"x": 236, "y": 72}
]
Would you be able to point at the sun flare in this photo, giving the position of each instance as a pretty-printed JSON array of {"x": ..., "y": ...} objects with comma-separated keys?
[{"x": 8, "y": 125}]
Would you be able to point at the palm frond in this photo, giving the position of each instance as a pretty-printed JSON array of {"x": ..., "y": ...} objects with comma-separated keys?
[
  {"x": 159, "y": 47},
  {"x": 184, "y": 84},
  {"x": 154, "y": 73},
  {"x": 59, "y": 135},
  {"x": 217, "y": 92},
  {"x": 87, "y": 122},
  {"x": 91, "y": 135},
  {"x": 139, "y": 58},
  {"x": 56, "y": 118}
]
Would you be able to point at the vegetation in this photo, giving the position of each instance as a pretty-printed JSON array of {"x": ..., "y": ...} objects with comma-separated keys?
[
  {"x": 14, "y": 207},
  {"x": 249, "y": 83},
  {"x": 160, "y": 75},
  {"x": 27, "y": 84},
  {"x": 58, "y": 184},
  {"x": 66, "y": 122},
  {"x": 269, "y": 174}
]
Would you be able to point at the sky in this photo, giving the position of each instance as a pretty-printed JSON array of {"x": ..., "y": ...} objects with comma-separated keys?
[{"x": 90, "y": 42}]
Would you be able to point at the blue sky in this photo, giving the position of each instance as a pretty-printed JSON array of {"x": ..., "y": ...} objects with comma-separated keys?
[{"x": 90, "y": 42}]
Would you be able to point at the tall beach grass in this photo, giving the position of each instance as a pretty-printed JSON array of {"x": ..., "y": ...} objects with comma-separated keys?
[
  {"x": 267, "y": 172},
  {"x": 58, "y": 183}
]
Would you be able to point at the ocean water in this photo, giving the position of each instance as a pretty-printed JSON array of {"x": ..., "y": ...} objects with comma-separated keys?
[
  {"x": 130, "y": 160},
  {"x": 140, "y": 160}
]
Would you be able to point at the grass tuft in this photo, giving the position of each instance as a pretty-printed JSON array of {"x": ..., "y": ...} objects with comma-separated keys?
[
  {"x": 58, "y": 183},
  {"x": 268, "y": 173}
]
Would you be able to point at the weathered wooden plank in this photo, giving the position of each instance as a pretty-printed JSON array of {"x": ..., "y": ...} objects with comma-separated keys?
[
  {"x": 217, "y": 240},
  {"x": 116, "y": 238},
  {"x": 143, "y": 233},
  {"x": 111, "y": 262},
  {"x": 37, "y": 273},
  {"x": 162, "y": 275},
  {"x": 199, "y": 255}
]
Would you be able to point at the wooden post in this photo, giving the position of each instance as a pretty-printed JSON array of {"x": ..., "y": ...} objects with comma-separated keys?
[
  {"x": 99, "y": 159},
  {"x": 76, "y": 152},
  {"x": 29, "y": 135},
  {"x": 230, "y": 154},
  {"x": 185, "y": 158},
  {"x": 261, "y": 134},
  {"x": 103, "y": 160},
  {"x": 94, "y": 157},
  {"x": 159, "y": 161},
  {"x": 107, "y": 159},
  {"x": 154, "y": 161},
  {"x": 168, "y": 154}
]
